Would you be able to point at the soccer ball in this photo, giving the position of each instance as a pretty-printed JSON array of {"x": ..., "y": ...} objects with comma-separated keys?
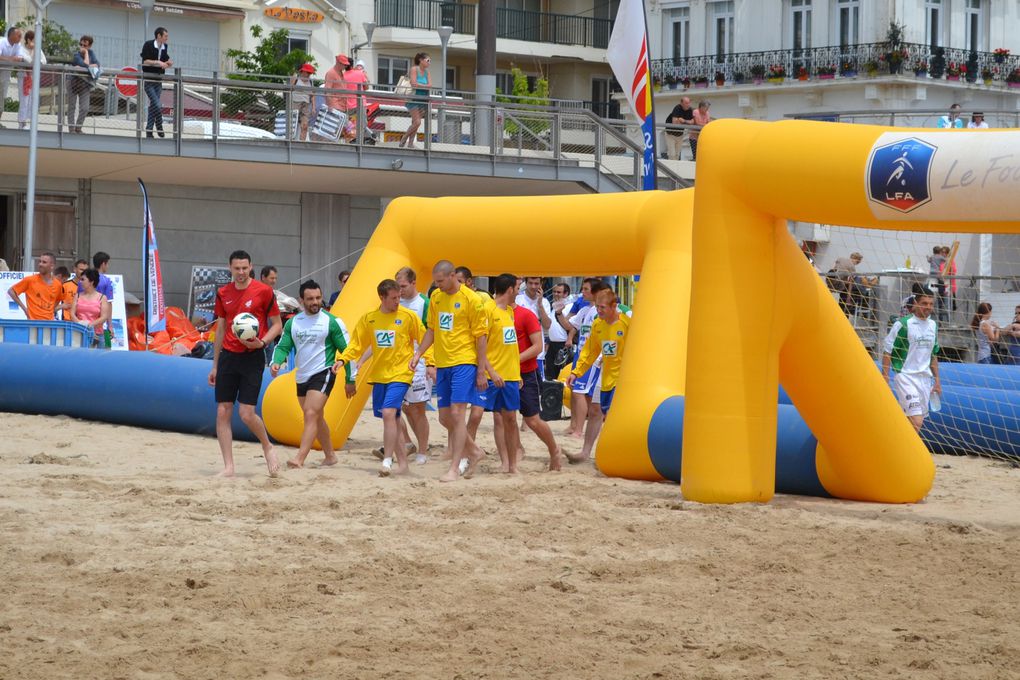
[{"x": 245, "y": 326}]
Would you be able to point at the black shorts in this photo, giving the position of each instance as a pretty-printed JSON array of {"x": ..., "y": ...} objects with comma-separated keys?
[
  {"x": 239, "y": 377},
  {"x": 531, "y": 394},
  {"x": 322, "y": 381}
]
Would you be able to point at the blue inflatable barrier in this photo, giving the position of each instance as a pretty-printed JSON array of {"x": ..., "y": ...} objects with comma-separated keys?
[
  {"x": 52, "y": 333},
  {"x": 129, "y": 388},
  {"x": 975, "y": 420}
]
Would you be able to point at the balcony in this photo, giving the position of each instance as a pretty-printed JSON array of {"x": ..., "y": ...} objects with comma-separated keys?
[
  {"x": 848, "y": 61},
  {"x": 511, "y": 24}
]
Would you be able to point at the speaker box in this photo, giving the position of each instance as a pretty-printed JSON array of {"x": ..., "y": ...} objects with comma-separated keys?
[{"x": 552, "y": 400}]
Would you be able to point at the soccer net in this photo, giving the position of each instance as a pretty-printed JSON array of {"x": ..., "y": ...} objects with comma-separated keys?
[{"x": 975, "y": 279}]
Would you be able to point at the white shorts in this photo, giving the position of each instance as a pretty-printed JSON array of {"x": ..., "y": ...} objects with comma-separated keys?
[
  {"x": 588, "y": 383},
  {"x": 913, "y": 390},
  {"x": 420, "y": 390}
]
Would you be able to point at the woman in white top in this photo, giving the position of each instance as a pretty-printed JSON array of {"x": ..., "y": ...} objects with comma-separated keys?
[
  {"x": 25, "y": 79},
  {"x": 987, "y": 332},
  {"x": 977, "y": 122}
]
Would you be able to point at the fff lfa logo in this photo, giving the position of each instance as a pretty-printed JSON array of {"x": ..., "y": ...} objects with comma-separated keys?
[{"x": 898, "y": 174}]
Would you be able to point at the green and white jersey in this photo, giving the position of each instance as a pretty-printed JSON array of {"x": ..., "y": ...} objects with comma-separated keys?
[
  {"x": 316, "y": 338},
  {"x": 911, "y": 343},
  {"x": 419, "y": 304}
]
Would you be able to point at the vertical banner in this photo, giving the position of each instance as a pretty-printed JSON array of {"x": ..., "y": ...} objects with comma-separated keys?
[
  {"x": 152, "y": 274},
  {"x": 628, "y": 57}
]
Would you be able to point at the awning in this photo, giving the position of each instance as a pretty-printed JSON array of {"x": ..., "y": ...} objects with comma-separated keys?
[{"x": 188, "y": 9}]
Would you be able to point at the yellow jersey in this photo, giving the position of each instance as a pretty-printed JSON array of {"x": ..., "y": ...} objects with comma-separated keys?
[
  {"x": 457, "y": 321},
  {"x": 393, "y": 337},
  {"x": 608, "y": 340},
  {"x": 502, "y": 349}
]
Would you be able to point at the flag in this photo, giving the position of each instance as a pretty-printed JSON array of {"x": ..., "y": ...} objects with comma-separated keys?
[
  {"x": 628, "y": 57},
  {"x": 152, "y": 273}
]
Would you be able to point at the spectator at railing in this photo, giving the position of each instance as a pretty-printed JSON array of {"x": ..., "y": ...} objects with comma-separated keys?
[
  {"x": 977, "y": 121},
  {"x": 91, "y": 308},
  {"x": 1012, "y": 333},
  {"x": 155, "y": 62},
  {"x": 421, "y": 78},
  {"x": 42, "y": 290},
  {"x": 335, "y": 82},
  {"x": 25, "y": 79},
  {"x": 79, "y": 88},
  {"x": 10, "y": 52},
  {"x": 952, "y": 120},
  {"x": 701, "y": 119},
  {"x": 301, "y": 99},
  {"x": 682, "y": 114},
  {"x": 936, "y": 269},
  {"x": 987, "y": 332},
  {"x": 355, "y": 79}
]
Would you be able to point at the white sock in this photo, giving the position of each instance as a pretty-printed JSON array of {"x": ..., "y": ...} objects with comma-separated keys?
[
  {"x": 387, "y": 463},
  {"x": 463, "y": 465},
  {"x": 421, "y": 459}
]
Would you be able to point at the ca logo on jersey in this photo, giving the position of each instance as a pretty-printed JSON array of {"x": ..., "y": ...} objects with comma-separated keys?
[
  {"x": 445, "y": 321},
  {"x": 509, "y": 335},
  {"x": 385, "y": 339},
  {"x": 609, "y": 348}
]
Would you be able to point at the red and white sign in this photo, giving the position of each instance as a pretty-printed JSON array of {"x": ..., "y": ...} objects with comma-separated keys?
[{"x": 126, "y": 85}]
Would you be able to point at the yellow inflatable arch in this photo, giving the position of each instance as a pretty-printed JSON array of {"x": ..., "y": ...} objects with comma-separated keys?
[{"x": 729, "y": 306}]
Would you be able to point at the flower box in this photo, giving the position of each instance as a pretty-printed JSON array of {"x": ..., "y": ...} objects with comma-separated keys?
[
  {"x": 701, "y": 84},
  {"x": 827, "y": 76},
  {"x": 776, "y": 81},
  {"x": 1013, "y": 84},
  {"x": 952, "y": 77}
]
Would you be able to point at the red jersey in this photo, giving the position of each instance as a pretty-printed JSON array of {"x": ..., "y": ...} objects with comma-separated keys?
[
  {"x": 526, "y": 323},
  {"x": 257, "y": 299}
]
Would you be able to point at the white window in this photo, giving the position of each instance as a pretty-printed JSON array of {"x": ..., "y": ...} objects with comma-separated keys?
[
  {"x": 677, "y": 36},
  {"x": 390, "y": 69},
  {"x": 721, "y": 29},
  {"x": 974, "y": 13},
  {"x": 800, "y": 24},
  {"x": 933, "y": 18},
  {"x": 505, "y": 82},
  {"x": 298, "y": 40},
  {"x": 848, "y": 22}
]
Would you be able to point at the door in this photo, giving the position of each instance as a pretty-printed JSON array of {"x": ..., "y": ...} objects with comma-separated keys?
[{"x": 56, "y": 229}]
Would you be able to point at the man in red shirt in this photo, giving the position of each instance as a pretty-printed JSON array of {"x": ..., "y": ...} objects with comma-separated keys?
[
  {"x": 238, "y": 364},
  {"x": 42, "y": 290},
  {"x": 529, "y": 342}
]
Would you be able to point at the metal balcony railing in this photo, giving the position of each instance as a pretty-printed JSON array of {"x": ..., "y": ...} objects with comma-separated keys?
[
  {"x": 512, "y": 24},
  {"x": 265, "y": 114},
  {"x": 426, "y": 14},
  {"x": 873, "y": 59}
]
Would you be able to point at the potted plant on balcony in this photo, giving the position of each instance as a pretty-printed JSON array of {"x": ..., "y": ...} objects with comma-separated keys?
[
  {"x": 720, "y": 78},
  {"x": 921, "y": 69},
  {"x": 686, "y": 82},
  {"x": 1000, "y": 55},
  {"x": 672, "y": 81},
  {"x": 757, "y": 73},
  {"x": 954, "y": 70},
  {"x": 777, "y": 74},
  {"x": 802, "y": 73},
  {"x": 848, "y": 68},
  {"x": 1013, "y": 79},
  {"x": 701, "y": 81},
  {"x": 825, "y": 72},
  {"x": 738, "y": 77},
  {"x": 938, "y": 62},
  {"x": 871, "y": 68},
  {"x": 656, "y": 83},
  {"x": 988, "y": 75}
]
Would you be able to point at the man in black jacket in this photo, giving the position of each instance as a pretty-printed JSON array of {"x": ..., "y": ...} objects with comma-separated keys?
[{"x": 155, "y": 62}]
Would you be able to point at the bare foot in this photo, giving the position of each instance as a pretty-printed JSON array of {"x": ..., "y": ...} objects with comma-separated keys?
[
  {"x": 505, "y": 469},
  {"x": 226, "y": 473},
  {"x": 577, "y": 435},
  {"x": 556, "y": 461},
  {"x": 576, "y": 459},
  {"x": 450, "y": 476},
  {"x": 294, "y": 465},
  {"x": 445, "y": 455},
  {"x": 402, "y": 469},
  {"x": 331, "y": 459},
  {"x": 473, "y": 461},
  {"x": 271, "y": 463}
]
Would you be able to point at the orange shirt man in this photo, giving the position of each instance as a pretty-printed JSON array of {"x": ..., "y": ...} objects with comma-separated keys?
[
  {"x": 335, "y": 81},
  {"x": 43, "y": 291}
]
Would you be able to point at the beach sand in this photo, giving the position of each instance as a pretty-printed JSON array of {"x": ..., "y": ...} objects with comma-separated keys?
[{"x": 123, "y": 557}]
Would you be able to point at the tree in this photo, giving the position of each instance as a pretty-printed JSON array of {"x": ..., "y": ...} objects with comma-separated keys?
[
  {"x": 523, "y": 94},
  {"x": 58, "y": 44},
  {"x": 269, "y": 58}
]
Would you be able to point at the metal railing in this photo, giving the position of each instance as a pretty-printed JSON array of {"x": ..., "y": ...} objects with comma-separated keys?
[
  {"x": 844, "y": 61},
  {"x": 511, "y": 24},
  {"x": 183, "y": 109},
  {"x": 921, "y": 118}
]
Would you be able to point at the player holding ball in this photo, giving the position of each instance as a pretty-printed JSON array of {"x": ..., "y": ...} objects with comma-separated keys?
[{"x": 239, "y": 358}]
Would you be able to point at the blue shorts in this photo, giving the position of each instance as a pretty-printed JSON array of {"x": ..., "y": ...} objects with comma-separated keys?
[
  {"x": 388, "y": 395},
  {"x": 606, "y": 400},
  {"x": 456, "y": 385},
  {"x": 586, "y": 383},
  {"x": 505, "y": 398}
]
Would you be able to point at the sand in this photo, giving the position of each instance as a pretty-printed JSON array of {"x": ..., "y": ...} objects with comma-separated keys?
[{"x": 123, "y": 557}]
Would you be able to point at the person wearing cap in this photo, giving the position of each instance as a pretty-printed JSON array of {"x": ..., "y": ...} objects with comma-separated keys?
[
  {"x": 356, "y": 79},
  {"x": 301, "y": 99},
  {"x": 977, "y": 121},
  {"x": 335, "y": 82}
]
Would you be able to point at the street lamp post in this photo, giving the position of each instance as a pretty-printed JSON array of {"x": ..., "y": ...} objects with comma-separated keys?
[
  {"x": 444, "y": 36},
  {"x": 33, "y": 135},
  {"x": 369, "y": 27}
]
